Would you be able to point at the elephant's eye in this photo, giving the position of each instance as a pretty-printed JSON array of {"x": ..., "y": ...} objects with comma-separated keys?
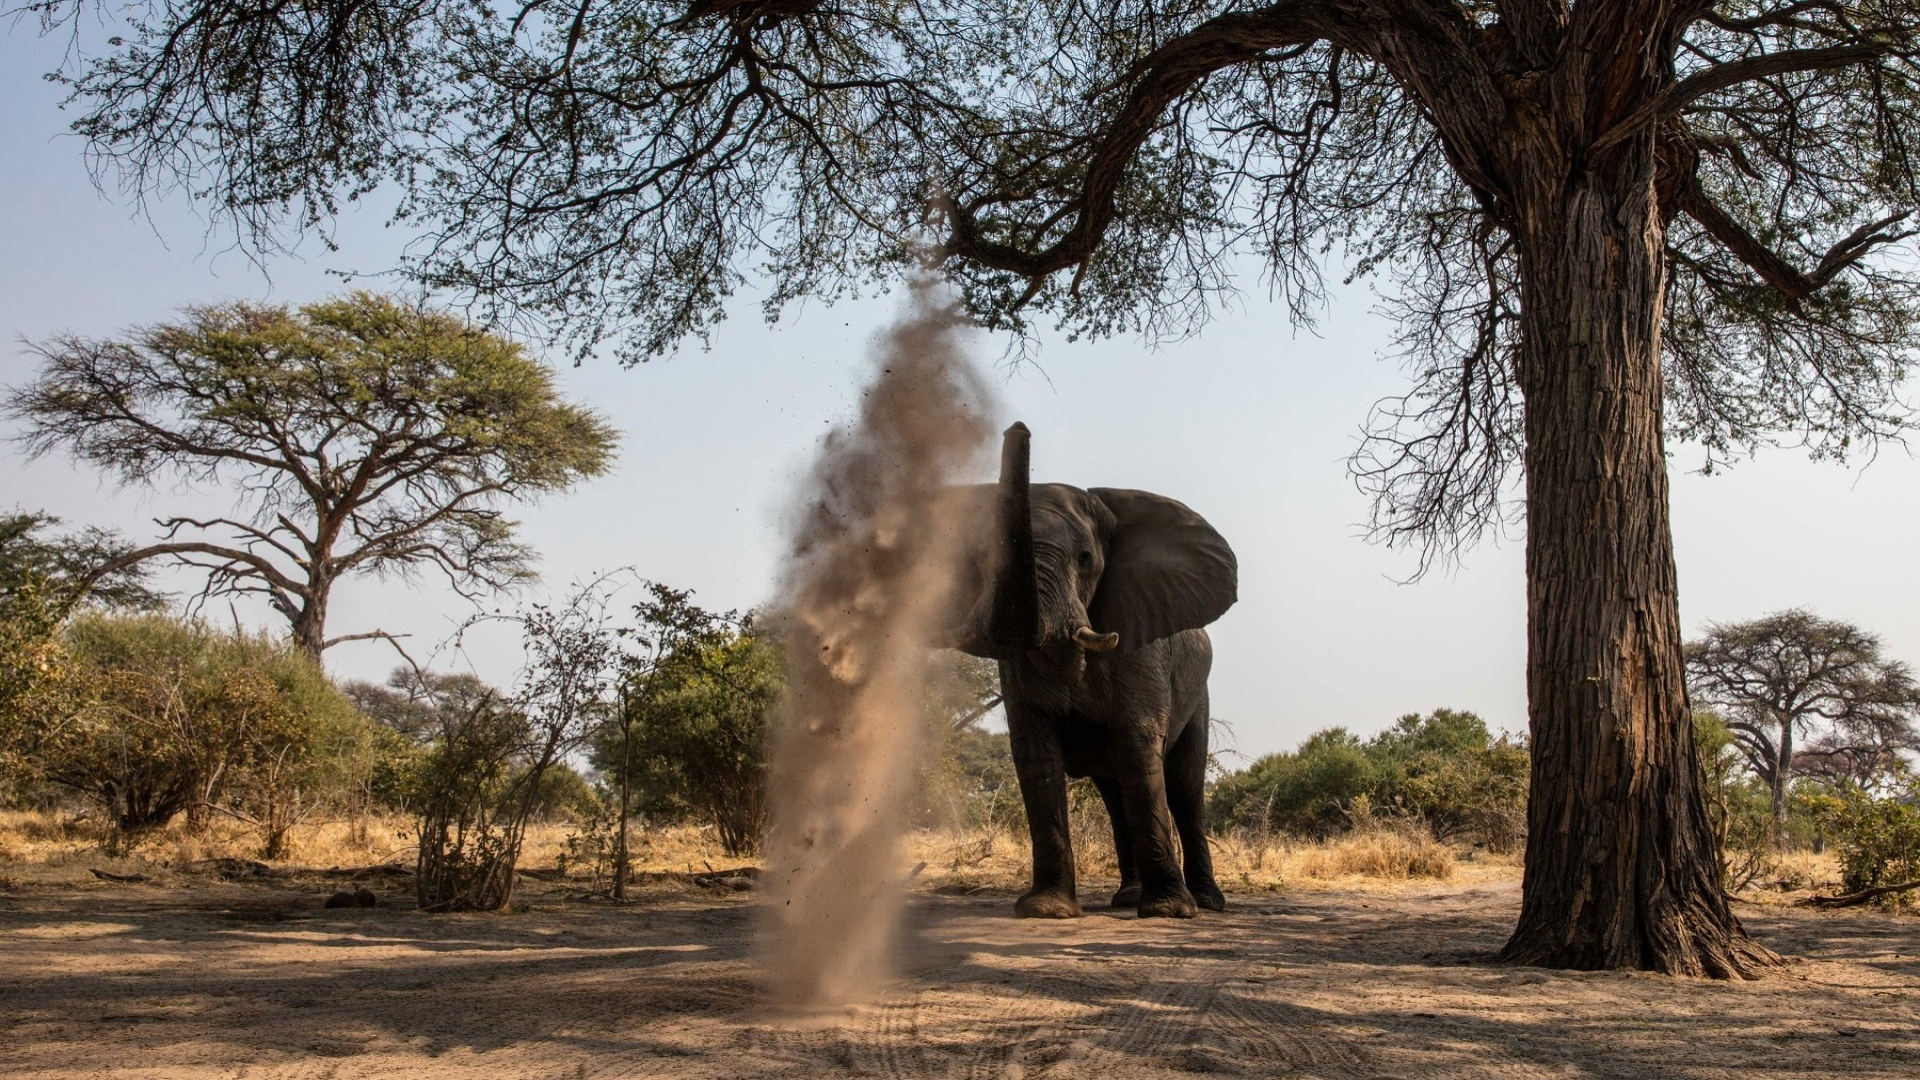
[{"x": 1086, "y": 558}]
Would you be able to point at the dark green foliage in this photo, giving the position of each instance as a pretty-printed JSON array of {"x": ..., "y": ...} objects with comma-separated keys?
[
  {"x": 1875, "y": 835},
  {"x": 1306, "y": 791},
  {"x": 560, "y": 794},
  {"x": 697, "y": 742},
  {"x": 1443, "y": 732},
  {"x": 1476, "y": 793},
  {"x": 1445, "y": 769}
]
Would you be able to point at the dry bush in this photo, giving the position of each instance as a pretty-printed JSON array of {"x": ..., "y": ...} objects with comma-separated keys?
[{"x": 1388, "y": 853}]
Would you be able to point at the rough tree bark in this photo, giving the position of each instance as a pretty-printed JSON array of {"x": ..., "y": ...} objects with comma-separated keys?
[{"x": 1621, "y": 867}]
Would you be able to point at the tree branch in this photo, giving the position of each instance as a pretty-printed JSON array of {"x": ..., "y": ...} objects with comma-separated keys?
[
  {"x": 260, "y": 565},
  {"x": 1157, "y": 81},
  {"x": 1772, "y": 268},
  {"x": 1675, "y": 99}
]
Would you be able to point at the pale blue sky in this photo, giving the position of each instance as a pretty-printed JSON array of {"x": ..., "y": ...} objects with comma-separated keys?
[{"x": 1249, "y": 423}]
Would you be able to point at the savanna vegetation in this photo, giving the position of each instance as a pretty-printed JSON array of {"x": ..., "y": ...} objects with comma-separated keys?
[{"x": 1597, "y": 223}]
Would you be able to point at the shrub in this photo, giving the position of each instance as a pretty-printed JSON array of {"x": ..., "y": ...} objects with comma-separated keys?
[
  {"x": 487, "y": 770},
  {"x": 1305, "y": 792},
  {"x": 1444, "y": 769},
  {"x": 153, "y": 717},
  {"x": 698, "y": 734},
  {"x": 467, "y": 847},
  {"x": 1877, "y": 837},
  {"x": 1476, "y": 793}
]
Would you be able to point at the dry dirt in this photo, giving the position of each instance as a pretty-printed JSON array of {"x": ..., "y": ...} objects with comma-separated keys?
[{"x": 253, "y": 981}]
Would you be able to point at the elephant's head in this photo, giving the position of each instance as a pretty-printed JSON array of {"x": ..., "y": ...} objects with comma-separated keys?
[{"x": 1066, "y": 571}]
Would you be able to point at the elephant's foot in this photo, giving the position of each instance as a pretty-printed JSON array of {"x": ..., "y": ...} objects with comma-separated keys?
[
  {"x": 1048, "y": 904},
  {"x": 1174, "y": 905},
  {"x": 1128, "y": 895},
  {"x": 1208, "y": 895}
]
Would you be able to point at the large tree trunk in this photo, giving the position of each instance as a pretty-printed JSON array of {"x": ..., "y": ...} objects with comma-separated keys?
[
  {"x": 310, "y": 622},
  {"x": 1621, "y": 868}
]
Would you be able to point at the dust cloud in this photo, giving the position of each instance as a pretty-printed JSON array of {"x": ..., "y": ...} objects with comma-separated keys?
[{"x": 866, "y": 579}]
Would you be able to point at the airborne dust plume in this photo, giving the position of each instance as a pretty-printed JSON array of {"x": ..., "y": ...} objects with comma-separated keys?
[{"x": 867, "y": 573}]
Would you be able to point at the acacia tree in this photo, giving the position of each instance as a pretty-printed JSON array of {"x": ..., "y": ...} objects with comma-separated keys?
[
  {"x": 1599, "y": 219},
  {"x": 1792, "y": 675},
  {"x": 362, "y": 436}
]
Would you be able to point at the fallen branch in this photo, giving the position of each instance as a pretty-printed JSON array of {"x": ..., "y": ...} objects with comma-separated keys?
[
  {"x": 360, "y": 873},
  {"x": 105, "y": 876},
  {"x": 232, "y": 868},
  {"x": 739, "y": 880},
  {"x": 1850, "y": 899}
]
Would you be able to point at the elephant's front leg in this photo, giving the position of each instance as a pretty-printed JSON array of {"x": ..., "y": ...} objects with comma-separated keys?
[
  {"x": 1143, "y": 785},
  {"x": 1043, "y": 787}
]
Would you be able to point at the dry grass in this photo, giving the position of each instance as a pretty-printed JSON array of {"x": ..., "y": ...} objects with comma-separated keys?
[{"x": 55, "y": 849}]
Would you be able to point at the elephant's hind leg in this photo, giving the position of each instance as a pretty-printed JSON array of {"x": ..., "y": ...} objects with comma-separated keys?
[
  {"x": 1187, "y": 800},
  {"x": 1128, "y": 895},
  {"x": 1143, "y": 787}
]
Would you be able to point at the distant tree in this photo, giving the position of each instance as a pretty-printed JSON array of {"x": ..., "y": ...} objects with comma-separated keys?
[
  {"x": 1792, "y": 675},
  {"x": 417, "y": 703},
  {"x": 1449, "y": 771},
  {"x": 362, "y": 436},
  {"x": 1443, "y": 731},
  {"x": 1444, "y": 769},
  {"x": 1306, "y": 791},
  {"x": 671, "y": 634}
]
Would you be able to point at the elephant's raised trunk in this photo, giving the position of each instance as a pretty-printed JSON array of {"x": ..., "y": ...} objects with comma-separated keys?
[{"x": 1015, "y": 625}]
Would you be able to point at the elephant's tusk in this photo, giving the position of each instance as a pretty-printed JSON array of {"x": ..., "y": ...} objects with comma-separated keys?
[{"x": 1092, "y": 642}]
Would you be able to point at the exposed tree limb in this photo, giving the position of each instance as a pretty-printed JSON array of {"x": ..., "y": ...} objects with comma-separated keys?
[
  {"x": 1676, "y": 98},
  {"x": 1772, "y": 268}
]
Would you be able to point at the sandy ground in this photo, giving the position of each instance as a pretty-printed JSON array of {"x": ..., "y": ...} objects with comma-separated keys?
[{"x": 249, "y": 981}]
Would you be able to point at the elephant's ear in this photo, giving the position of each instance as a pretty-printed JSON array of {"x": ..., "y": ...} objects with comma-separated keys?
[
  {"x": 1167, "y": 570},
  {"x": 964, "y": 608}
]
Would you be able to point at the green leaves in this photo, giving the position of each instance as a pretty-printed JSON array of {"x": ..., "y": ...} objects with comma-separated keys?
[
  {"x": 363, "y": 435},
  {"x": 1444, "y": 770}
]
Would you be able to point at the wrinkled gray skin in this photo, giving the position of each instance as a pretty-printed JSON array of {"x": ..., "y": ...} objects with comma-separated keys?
[{"x": 1129, "y": 712}]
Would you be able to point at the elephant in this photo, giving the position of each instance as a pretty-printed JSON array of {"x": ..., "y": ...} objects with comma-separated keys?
[{"x": 1093, "y": 602}]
